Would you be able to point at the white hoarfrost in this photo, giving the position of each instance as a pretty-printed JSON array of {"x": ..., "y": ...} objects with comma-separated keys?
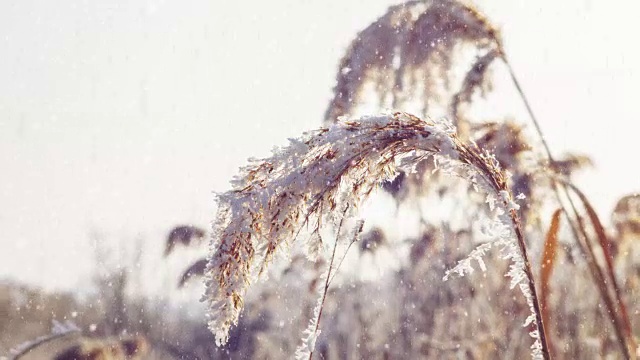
[
  {"x": 500, "y": 230},
  {"x": 327, "y": 169},
  {"x": 311, "y": 333}
]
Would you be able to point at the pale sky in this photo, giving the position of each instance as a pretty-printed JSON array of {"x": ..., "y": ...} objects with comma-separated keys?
[{"x": 121, "y": 117}]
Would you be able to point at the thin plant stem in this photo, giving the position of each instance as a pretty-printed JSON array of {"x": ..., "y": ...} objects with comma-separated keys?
[
  {"x": 327, "y": 282},
  {"x": 621, "y": 318},
  {"x": 586, "y": 245},
  {"x": 531, "y": 284},
  {"x": 41, "y": 341},
  {"x": 582, "y": 239},
  {"x": 353, "y": 240},
  {"x": 529, "y": 109}
]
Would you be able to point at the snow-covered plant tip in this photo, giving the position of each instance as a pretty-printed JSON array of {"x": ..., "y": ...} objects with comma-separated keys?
[{"x": 309, "y": 182}]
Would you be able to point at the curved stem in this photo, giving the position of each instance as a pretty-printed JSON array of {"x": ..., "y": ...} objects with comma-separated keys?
[
  {"x": 586, "y": 246},
  {"x": 40, "y": 341},
  {"x": 529, "y": 109},
  {"x": 531, "y": 284}
]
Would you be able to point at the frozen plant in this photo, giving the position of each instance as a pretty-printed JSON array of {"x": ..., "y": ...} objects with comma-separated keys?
[
  {"x": 334, "y": 168},
  {"x": 407, "y": 55}
]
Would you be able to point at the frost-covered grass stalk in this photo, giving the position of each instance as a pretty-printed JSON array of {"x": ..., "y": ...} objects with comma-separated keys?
[
  {"x": 335, "y": 168},
  {"x": 310, "y": 335}
]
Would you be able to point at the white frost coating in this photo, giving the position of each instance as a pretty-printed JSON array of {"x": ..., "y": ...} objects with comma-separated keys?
[
  {"x": 380, "y": 120},
  {"x": 464, "y": 266},
  {"x": 310, "y": 334},
  {"x": 506, "y": 198},
  {"x": 530, "y": 319},
  {"x": 328, "y": 169},
  {"x": 303, "y": 183},
  {"x": 491, "y": 200},
  {"x": 500, "y": 229}
]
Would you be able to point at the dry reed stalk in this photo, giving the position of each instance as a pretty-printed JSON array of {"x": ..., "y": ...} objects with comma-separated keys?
[
  {"x": 546, "y": 269},
  {"x": 304, "y": 183},
  {"x": 312, "y": 332},
  {"x": 582, "y": 238},
  {"x": 583, "y": 241},
  {"x": 620, "y": 314}
]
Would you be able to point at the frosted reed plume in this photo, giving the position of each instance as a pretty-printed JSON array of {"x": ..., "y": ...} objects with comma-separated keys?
[
  {"x": 410, "y": 51},
  {"x": 475, "y": 79},
  {"x": 336, "y": 168},
  {"x": 413, "y": 59}
]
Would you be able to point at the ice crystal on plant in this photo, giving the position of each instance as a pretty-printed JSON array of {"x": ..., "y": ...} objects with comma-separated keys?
[
  {"x": 464, "y": 266},
  {"x": 311, "y": 333},
  {"x": 333, "y": 168}
]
